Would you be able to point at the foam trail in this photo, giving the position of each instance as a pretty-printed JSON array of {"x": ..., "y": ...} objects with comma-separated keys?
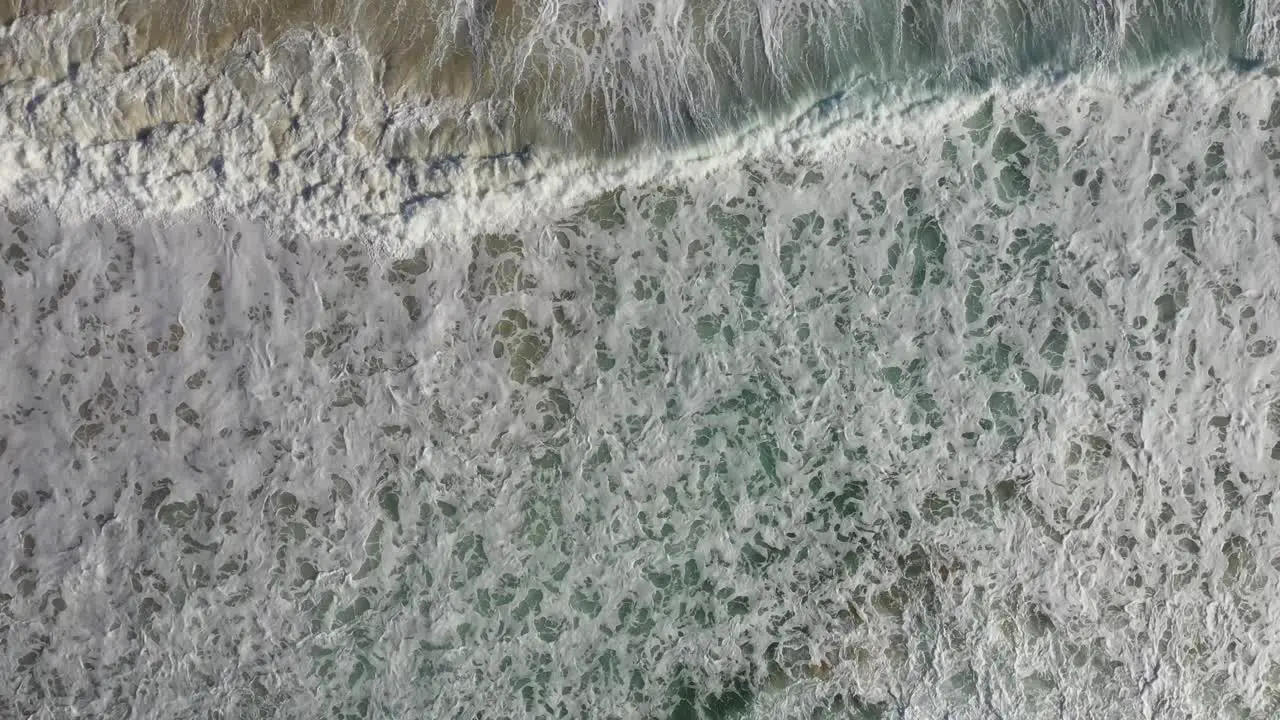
[
  {"x": 608, "y": 75},
  {"x": 92, "y": 121}
]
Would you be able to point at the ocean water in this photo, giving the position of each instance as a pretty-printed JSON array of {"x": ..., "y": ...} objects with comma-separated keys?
[{"x": 651, "y": 360}]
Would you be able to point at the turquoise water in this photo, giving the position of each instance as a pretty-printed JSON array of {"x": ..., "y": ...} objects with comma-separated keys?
[{"x": 936, "y": 399}]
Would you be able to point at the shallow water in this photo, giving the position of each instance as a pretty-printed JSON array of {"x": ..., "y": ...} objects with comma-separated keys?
[
  {"x": 604, "y": 76},
  {"x": 931, "y": 400}
]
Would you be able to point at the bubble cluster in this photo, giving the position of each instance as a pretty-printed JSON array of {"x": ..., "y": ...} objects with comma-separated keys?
[{"x": 972, "y": 412}]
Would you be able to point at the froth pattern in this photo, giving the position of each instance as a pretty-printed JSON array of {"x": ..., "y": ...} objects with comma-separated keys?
[{"x": 972, "y": 412}]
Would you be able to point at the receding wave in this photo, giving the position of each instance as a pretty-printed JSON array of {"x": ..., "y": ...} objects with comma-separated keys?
[
  {"x": 362, "y": 118},
  {"x": 609, "y": 75}
]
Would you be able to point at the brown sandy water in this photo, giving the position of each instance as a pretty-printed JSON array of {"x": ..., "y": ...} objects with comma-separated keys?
[
  {"x": 577, "y": 74},
  {"x": 497, "y": 76}
]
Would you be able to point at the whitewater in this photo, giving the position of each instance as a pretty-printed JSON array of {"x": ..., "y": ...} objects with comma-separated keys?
[{"x": 640, "y": 360}]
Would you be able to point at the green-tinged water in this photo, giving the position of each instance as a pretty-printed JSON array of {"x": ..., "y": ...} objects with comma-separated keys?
[{"x": 961, "y": 402}]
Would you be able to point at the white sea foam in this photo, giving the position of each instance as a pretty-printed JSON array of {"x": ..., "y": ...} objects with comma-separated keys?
[{"x": 961, "y": 406}]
